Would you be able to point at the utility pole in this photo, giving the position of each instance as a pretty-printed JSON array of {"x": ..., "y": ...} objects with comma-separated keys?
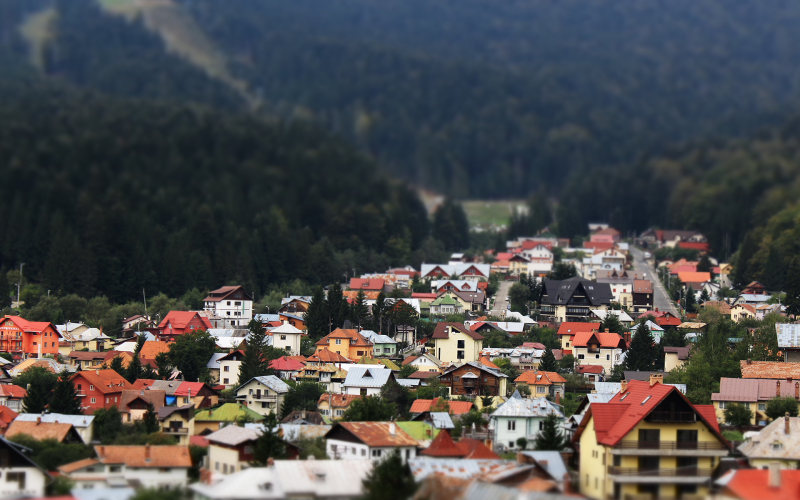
[{"x": 19, "y": 282}]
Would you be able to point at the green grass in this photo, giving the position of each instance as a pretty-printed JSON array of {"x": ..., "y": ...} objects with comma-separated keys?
[{"x": 487, "y": 214}]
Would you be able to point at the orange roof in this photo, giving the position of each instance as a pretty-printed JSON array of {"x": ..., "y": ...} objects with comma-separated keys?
[
  {"x": 153, "y": 348},
  {"x": 538, "y": 484},
  {"x": 179, "y": 319},
  {"x": 605, "y": 339},
  {"x": 746, "y": 307},
  {"x": 454, "y": 407},
  {"x": 694, "y": 277},
  {"x": 367, "y": 284},
  {"x": 39, "y": 430},
  {"x": 109, "y": 356},
  {"x": 351, "y": 295},
  {"x": 475, "y": 448},
  {"x": 573, "y": 327},
  {"x": 338, "y": 400},
  {"x": 31, "y": 326},
  {"x": 144, "y": 455},
  {"x": 7, "y": 415},
  {"x": 536, "y": 377},
  {"x": 778, "y": 370},
  {"x": 355, "y": 338},
  {"x": 443, "y": 446},
  {"x": 75, "y": 466},
  {"x": 615, "y": 419},
  {"x": 487, "y": 362},
  {"x": 105, "y": 380},
  {"x": 378, "y": 434},
  {"x": 409, "y": 360},
  {"x": 12, "y": 391},
  {"x": 325, "y": 355},
  {"x": 753, "y": 484}
]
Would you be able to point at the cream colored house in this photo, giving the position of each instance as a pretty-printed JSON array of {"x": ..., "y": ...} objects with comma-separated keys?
[
  {"x": 675, "y": 357},
  {"x": 177, "y": 421},
  {"x": 263, "y": 395},
  {"x": 453, "y": 343},
  {"x": 598, "y": 348},
  {"x": 741, "y": 312},
  {"x": 231, "y": 449},
  {"x": 287, "y": 337}
]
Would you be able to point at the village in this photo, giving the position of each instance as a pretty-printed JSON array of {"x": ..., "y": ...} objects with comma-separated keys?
[{"x": 624, "y": 368}]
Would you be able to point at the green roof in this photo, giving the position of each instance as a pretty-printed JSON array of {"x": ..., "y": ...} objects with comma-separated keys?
[
  {"x": 444, "y": 300},
  {"x": 229, "y": 412},
  {"x": 419, "y": 430},
  {"x": 388, "y": 363}
]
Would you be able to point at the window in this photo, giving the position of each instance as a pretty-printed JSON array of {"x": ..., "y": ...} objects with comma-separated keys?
[
  {"x": 460, "y": 344},
  {"x": 338, "y": 341},
  {"x": 724, "y": 404},
  {"x": 541, "y": 388},
  {"x": 225, "y": 381},
  {"x": 460, "y": 354},
  {"x": 283, "y": 337},
  {"x": 376, "y": 453},
  {"x": 608, "y": 357},
  {"x": 16, "y": 477},
  {"x": 114, "y": 468},
  {"x": 596, "y": 356},
  {"x": 226, "y": 368},
  {"x": 512, "y": 425},
  {"x": 511, "y": 444},
  {"x": 93, "y": 400},
  {"x": 363, "y": 452},
  {"x": 761, "y": 406},
  {"x": 580, "y": 356},
  {"x": 91, "y": 387},
  {"x": 541, "y": 425}
]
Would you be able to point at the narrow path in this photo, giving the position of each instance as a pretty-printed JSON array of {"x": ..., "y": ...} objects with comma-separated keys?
[
  {"x": 644, "y": 269},
  {"x": 501, "y": 299}
]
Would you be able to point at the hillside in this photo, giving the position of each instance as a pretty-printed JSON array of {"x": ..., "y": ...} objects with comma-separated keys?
[{"x": 108, "y": 196}]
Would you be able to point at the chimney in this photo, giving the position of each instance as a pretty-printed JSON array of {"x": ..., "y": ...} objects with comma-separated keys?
[
  {"x": 270, "y": 462},
  {"x": 656, "y": 378},
  {"x": 749, "y": 361},
  {"x": 38, "y": 420},
  {"x": 607, "y": 331},
  {"x": 774, "y": 475},
  {"x": 147, "y": 453},
  {"x": 97, "y": 372},
  {"x": 623, "y": 386},
  {"x": 797, "y": 390},
  {"x": 392, "y": 428},
  {"x": 786, "y": 423},
  {"x": 777, "y": 388}
]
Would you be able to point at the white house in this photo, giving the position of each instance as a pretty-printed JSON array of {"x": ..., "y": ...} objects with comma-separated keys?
[
  {"x": 144, "y": 466},
  {"x": 366, "y": 380},
  {"x": 540, "y": 260},
  {"x": 231, "y": 448},
  {"x": 229, "y": 368},
  {"x": 425, "y": 362},
  {"x": 229, "y": 306},
  {"x": 263, "y": 395},
  {"x": 20, "y": 476},
  {"x": 521, "y": 418},
  {"x": 368, "y": 440},
  {"x": 287, "y": 337}
]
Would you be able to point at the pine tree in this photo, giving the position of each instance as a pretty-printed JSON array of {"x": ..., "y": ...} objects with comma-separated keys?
[
  {"x": 548, "y": 363},
  {"x": 163, "y": 366},
  {"x": 359, "y": 314},
  {"x": 150, "y": 420},
  {"x": 611, "y": 322},
  {"x": 316, "y": 317},
  {"x": 390, "y": 479},
  {"x": 39, "y": 383},
  {"x": 793, "y": 287},
  {"x": 641, "y": 356},
  {"x": 269, "y": 444},
  {"x": 378, "y": 313},
  {"x": 134, "y": 370},
  {"x": 254, "y": 363},
  {"x": 65, "y": 399},
  {"x": 117, "y": 365},
  {"x": 337, "y": 307},
  {"x": 550, "y": 437},
  {"x": 5, "y": 298}
]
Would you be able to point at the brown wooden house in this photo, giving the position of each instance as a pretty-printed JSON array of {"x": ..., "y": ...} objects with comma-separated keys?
[{"x": 474, "y": 379}]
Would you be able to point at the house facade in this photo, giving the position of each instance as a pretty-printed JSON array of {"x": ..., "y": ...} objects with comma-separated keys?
[
  {"x": 455, "y": 343},
  {"x": 28, "y": 339},
  {"x": 573, "y": 299},
  {"x": 264, "y": 395},
  {"x": 99, "y": 389},
  {"x": 177, "y": 323},
  {"x": 21, "y": 477},
  {"x": 368, "y": 440},
  {"x": 229, "y": 306},
  {"x": 474, "y": 379},
  {"x": 287, "y": 337},
  {"x": 521, "y": 418},
  {"x": 598, "y": 348},
  {"x": 348, "y": 343}
]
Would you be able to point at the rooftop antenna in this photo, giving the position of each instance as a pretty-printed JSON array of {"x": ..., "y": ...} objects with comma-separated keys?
[{"x": 144, "y": 297}]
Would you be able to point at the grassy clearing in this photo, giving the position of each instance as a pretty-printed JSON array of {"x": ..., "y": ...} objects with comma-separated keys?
[{"x": 488, "y": 214}]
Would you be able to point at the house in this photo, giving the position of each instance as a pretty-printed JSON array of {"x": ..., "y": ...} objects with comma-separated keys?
[
  {"x": 286, "y": 337},
  {"x": 470, "y": 301},
  {"x": 287, "y": 368},
  {"x": 753, "y": 394},
  {"x": 755, "y": 288},
  {"x": 22, "y": 478},
  {"x": 134, "y": 404},
  {"x": 443, "y": 446},
  {"x": 521, "y": 418},
  {"x": 213, "y": 419},
  {"x": 143, "y": 466},
  {"x": 11, "y": 396},
  {"x": 664, "y": 319},
  {"x": 605, "y": 235},
  {"x": 177, "y": 323},
  {"x": 177, "y": 421},
  {"x": 642, "y": 295},
  {"x": 474, "y": 379},
  {"x": 655, "y": 331},
  {"x": 648, "y": 440},
  {"x": 599, "y": 348},
  {"x": 592, "y": 373},
  {"x": 382, "y": 345},
  {"x": 675, "y": 357},
  {"x": 424, "y": 362},
  {"x": 229, "y": 368},
  {"x": 445, "y": 285},
  {"x": 231, "y": 449},
  {"x": 135, "y": 323},
  {"x": 446, "y": 304},
  {"x": 455, "y": 343},
  {"x": 420, "y": 407},
  {"x": 368, "y": 284},
  {"x": 778, "y": 443},
  {"x": 229, "y": 306},
  {"x": 789, "y": 341},
  {"x": 776, "y": 370},
  {"x": 62, "y": 432},
  {"x": 740, "y": 312},
  {"x": 694, "y": 280},
  {"x": 573, "y": 299},
  {"x": 20, "y": 337},
  {"x": 263, "y": 395},
  {"x": 460, "y": 270},
  {"x": 295, "y": 304},
  {"x": 368, "y": 440},
  {"x": 333, "y": 406},
  {"x": 759, "y": 484},
  {"x": 291, "y": 479},
  {"x": 345, "y": 342},
  {"x": 623, "y": 317},
  {"x": 7, "y": 415},
  {"x": 366, "y": 380},
  {"x": 87, "y": 360},
  {"x": 568, "y": 329},
  {"x": 296, "y": 320},
  {"x": 542, "y": 383},
  {"x": 99, "y": 389}
]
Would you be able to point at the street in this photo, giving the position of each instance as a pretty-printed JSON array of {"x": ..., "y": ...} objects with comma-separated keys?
[
  {"x": 645, "y": 270},
  {"x": 501, "y": 299}
]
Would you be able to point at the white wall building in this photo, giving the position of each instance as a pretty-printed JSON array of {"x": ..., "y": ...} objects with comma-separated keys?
[{"x": 229, "y": 306}]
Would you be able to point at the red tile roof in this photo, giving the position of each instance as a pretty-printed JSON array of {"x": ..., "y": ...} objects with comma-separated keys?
[
  {"x": 605, "y": 339},
  {"x": 179, "y": 319},
  {"x": 441, "y": 331},
  {"x": 642, "y": 286},
  {"x": 145, "y": 455},
  {"x": 770, "y": 369},
  {"x": 31, "y": 326},
  {"x": 327, "y": 356},
  {"x": 106, "y": 380},
  {"x": 12, "y": 391},
  {"x": 7, "y": 415},
  {"x": 753, "y": 484},
  {"x": 475, "y": 448},
  {"x": 378, "y": 434},
  {"x": 536, "y": 377},
  {"x": 443, "y": 446},
  {"x": 453, "y": 407},
  {"x": 424, "y": 296},
  {"x": 187, "y": 388},
  {"x": 39, "y": 430},
  {"x": 488, "y": 362},
  {"x": 573, "y": 327},
  {"x": 595, "y": 369},
  {"x": 694, "y": 277},
  {"x": 338, "y": 400},
  {"x": 286, "y": 364},
  {"x": 376, "y": 284},
  {"x": 355, "y": 338}
]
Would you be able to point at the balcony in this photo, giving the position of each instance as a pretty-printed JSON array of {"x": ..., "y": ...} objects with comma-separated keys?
[
  {"x": 683, "y": 475},
  {"x": 176, "y": 431},
  {"x": 670, "y": 449}
]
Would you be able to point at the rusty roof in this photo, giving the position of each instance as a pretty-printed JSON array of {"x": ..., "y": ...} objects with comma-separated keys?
[
  {"x": 39, "y": 430},
  {"x": 770, "y": 369},
  {"x": 378, "y": 434},
  {"x": 144, "y": 455}
]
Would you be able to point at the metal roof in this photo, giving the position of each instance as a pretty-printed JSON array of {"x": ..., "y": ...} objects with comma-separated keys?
[
  {"x": 788, "y": 335},
  {"x": 78, "y": 421},
  {"x": 367, "y": 376},
  {"x": 271, "y": 381},
  {"x": 534, "y": 407}
]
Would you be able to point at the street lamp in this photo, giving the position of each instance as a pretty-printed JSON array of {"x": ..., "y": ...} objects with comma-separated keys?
[{"x": 19, "y": 282}]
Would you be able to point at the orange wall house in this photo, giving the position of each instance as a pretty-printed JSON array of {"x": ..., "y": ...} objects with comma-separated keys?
[
  {"x": 348, "y": 343},
  {"x": 28, "y": 338}
]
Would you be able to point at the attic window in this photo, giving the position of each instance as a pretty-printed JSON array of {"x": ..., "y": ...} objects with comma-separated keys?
[
  {"x": 646, "y": 399},
  {"x": 367, "y": 374}
]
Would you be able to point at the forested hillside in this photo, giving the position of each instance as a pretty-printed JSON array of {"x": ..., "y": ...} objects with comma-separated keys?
[{"x": 108, "y": 196}]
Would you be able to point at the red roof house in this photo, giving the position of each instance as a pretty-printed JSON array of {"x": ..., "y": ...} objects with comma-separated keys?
[
  {"x": 177, "y": 323},
  {"x": 18, "y": 336},
  {"x": 452, "y": 407},
  {"x": 371, "y": 284},
  {"x": 99, "y": 389}
]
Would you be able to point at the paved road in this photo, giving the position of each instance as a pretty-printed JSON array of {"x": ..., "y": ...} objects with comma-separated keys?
[
  {"x": 644, "y": 269},
  {"x": 501, "y": 299}
]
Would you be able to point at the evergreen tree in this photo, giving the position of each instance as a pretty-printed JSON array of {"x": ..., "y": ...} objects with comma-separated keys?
[
  {"x": 611, "y": 322},
  {"x": 65, "y": 399},
  {"x": 792, "y": 300},
  {"x": 269, "y": 444},
  {"x": 150, "y": 420},
  {"x": 117, "y": 365},
  {"x": 359, "y": 311},
  {"x": 550, "y": 437},
  {"x": 450, "y": 226},
  {"x": 107, "y": 424},
  {"x": 548, "y": 363},
  {"x": 39, "y": 383},
  {"x": 689, "y": 302},
  {"x": 371, "y": 408},
  {"x": 737, "y": 414},
  {"x": 134, "y": 370},
  {"x": 642, "y": 354},
  {"x": 337, "y": 308},
  {"x": 778, "y": 407},
  {"x": 316, "y": 317},
  {"x": 302, "y": 396},
  {"x": 163, "y": 366},
  {"x": 390, "y": 479},
  {"x": 379, "y": 313},
  {"x": 190, "y": 354},
  {"x": 5, "y": 297},
  {"x": 254, "y": 363}
]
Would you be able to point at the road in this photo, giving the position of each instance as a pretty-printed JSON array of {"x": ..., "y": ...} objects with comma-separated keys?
[
  {"x": 644, "y": 269},
  {"x": 501, "y": 299}
]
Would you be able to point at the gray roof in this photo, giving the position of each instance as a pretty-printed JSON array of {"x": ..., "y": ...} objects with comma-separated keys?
[
  {"x": 265, "y": 318},
  {"x": 773, "y": 442},
  {"x": 270, "y": 381},
  {"x": 788, "y": 334},
  {"x": 367, "y": 376},
  {"x": 409, "y": 382},
  {"x": 534, "y": 407},
  {"x": 376, "y": 338},
  {"x": 111, "y": 493},
  {"x": 442, "y": 420},
  {"x": 550, "y": 460},
  {"x": 233, "y": 435},
  {"x": 291, "y": 479},
  {"x": 213, "y": 362},
  {"x": 560, "y": 292},
  {"x": 77, "y": 421}
]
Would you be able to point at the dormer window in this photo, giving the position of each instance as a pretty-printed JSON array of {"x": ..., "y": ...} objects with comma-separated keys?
[{"x": 646, "y": 399}]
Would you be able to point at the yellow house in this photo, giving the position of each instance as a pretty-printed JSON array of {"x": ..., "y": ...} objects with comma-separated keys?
[
  {"x": 753, "y": 394},
  {"x": 456, "y": 344},
  {"x": 740, "y": 312},
  {"x": 178, "y": 421},
  {"x": 648, "y": 441},
  {"x": 345, "y": 342},
  {"x": 675, "y": 357}
]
